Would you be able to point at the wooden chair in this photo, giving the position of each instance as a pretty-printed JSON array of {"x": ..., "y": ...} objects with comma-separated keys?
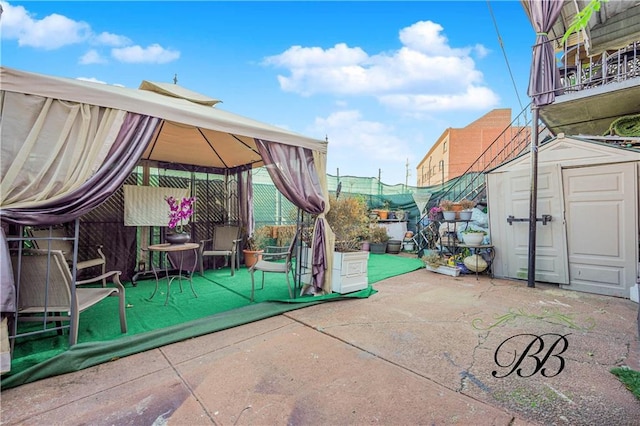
[
  {"x": 45, "y": 287},
  {"x": 272, "y": 262},
  {"x": 224, "y": 243},
  {"x": 53, "y": 238}
]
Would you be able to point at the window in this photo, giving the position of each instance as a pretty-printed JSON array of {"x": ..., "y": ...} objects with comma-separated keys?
[{"x": 444, "y": 146}]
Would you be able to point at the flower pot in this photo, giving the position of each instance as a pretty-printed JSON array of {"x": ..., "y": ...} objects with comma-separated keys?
[
  {"x": 378, "y": 248},
  {"x": 251, "y": 257},
  {"x": 393, "y": 246},
  {"x": 408, "y": 246},
  {"x": 473, "y": 238},
  {"x": 383, "y": 214},
  {"x": 475, "y": 263},
  {"x": 449, "y": 215},
  {"x": 443, "y": 269},
  {"x": 465, "y": 214},
  {"x": 177, "y": 238}
]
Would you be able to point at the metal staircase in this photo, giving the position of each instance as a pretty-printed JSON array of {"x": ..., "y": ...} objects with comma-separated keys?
[{"x": 512, "y": 141}]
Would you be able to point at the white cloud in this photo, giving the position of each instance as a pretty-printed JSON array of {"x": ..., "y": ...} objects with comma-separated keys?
[
  {"x": 153, "y": 54},
  {"x": 423, "y": 73},
  {"x": 113, "y": 40},
  {"x": 480, "y": 98},
  {"x": 360, "y": 147},
  {"x": 51, "y": 32},
  {"x": 92, "y": 57},
  {"x": 55, "y": 31}
]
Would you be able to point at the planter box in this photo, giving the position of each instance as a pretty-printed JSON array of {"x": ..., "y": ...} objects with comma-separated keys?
[
  {"x": 445, "y": 270},
  {"x": 349, "y": 271}
]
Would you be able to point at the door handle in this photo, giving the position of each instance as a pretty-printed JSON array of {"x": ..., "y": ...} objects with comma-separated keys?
[{"x": 544, "y": 219}]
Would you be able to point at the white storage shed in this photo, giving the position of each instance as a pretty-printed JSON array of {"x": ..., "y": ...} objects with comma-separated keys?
[{"x": 588, "y": 192}]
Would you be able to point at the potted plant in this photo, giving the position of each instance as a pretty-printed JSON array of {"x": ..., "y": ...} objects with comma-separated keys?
[
  {"x": 473, "y": 237},
  {"x": 255, "y": 245},
  {"x": 448, "y": 209},
  {"x": 435, "y": 214},
  {"x": 178, "y": 214},
  {"x": 378, "y": 239},
  {"x": 383, "y": 213},
  {"x": 435, "y": 262},
  {"x": 348, "y": 217},
  {"x": 465, "y": 213}
]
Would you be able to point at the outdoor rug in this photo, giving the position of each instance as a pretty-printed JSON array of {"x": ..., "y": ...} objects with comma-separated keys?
[{"x": 223, "y": 302}]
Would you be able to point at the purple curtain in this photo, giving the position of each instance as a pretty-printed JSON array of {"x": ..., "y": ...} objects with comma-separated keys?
[
  {"x": 293, "y": 172},
  {"x": 245, "y": 201},
  {"x": 544, "y": 79},
  {"x": 135, "y": 133}
]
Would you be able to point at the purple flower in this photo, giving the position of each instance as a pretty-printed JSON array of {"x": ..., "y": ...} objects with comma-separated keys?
[
  {"x": 179, "y": 212},
  {"x": 434, "y": 212}
]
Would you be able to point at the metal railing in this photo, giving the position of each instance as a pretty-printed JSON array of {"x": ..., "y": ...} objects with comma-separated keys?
[
  {"x": 579, "y": 71},
  {"x": 511, "y": 142}
]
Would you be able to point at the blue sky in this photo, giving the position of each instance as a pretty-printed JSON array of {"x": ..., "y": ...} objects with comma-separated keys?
[{"x": 381, "y": 80}]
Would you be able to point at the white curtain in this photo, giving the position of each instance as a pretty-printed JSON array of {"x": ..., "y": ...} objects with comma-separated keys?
[{"x": 51, "y": 147}]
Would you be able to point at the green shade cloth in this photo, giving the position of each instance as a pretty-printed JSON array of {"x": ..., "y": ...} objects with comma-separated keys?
[{"x": 222, "y": 303}]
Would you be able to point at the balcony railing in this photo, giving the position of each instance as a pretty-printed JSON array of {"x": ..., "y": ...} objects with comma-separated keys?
[{"x": 580, "y": 72}]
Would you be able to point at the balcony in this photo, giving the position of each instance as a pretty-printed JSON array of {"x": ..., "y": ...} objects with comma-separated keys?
[{"x": 596, "y": 90}]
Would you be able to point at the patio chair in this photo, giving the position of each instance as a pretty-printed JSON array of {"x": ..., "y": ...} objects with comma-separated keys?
[
  {"x": 41, "y": 241},
  {"x": 224, "y": 243},
  {"x": 273, "y": 262},
  {"x": 45, "y": 288}
]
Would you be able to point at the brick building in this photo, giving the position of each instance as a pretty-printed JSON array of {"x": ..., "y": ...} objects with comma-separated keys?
[{"x": 456, "y": 149}]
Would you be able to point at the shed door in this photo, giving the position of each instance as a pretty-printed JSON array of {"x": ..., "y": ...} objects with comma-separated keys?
[
  {"x": 551, "y": 252},
  {"x": 601, "y": 228}
]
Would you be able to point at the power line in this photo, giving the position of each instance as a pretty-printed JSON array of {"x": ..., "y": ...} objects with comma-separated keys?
[{"x": 495, "y": 24}]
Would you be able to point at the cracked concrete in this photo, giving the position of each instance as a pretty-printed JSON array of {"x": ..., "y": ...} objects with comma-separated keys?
[{"x": 420, "y": 351}]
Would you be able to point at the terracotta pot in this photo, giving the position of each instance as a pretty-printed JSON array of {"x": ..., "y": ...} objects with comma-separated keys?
[
  {"x": 383, "y": 214},
  {"x": 251, "y": 257}
]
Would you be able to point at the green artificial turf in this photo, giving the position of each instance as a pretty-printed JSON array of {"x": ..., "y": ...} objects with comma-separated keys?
[
  {"x": 223, "y": 302},
  {"x": 630, "y": 378}
]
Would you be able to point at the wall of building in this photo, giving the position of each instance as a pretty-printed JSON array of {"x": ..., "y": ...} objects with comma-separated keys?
[{"x": 457, "y": 148}]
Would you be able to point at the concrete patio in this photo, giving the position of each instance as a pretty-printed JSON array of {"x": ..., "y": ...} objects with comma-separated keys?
[{"x": 420, "y": 351}]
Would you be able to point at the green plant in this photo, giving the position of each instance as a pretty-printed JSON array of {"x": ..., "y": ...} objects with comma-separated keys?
[
  {"x": 630, "y": 378},
  {"x": 473, "y": 231},
  {"x": 446, "y": 205},
  {"x": 378, "y": 234},
  {"x": 433, "y": 259},
  {"x": 348, "y": 217},
  {"x": 260, "y": 238},
  {"x": 467, "y": 204},
  {"x": 582, "y": 18}
]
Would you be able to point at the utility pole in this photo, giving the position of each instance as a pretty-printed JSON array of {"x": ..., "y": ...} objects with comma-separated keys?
[{"x": 408, "y": 173}]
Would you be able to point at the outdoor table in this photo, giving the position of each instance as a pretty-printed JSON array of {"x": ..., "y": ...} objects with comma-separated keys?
[{"x": 172, "y": 248}]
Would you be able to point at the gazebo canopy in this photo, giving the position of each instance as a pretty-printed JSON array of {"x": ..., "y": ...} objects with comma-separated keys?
[{"x": 192, "y": 132}]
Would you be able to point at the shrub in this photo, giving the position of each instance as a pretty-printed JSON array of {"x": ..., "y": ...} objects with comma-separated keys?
[
  {"x": 348, "y": 217},
  {"x": 378, "y": 234}
]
